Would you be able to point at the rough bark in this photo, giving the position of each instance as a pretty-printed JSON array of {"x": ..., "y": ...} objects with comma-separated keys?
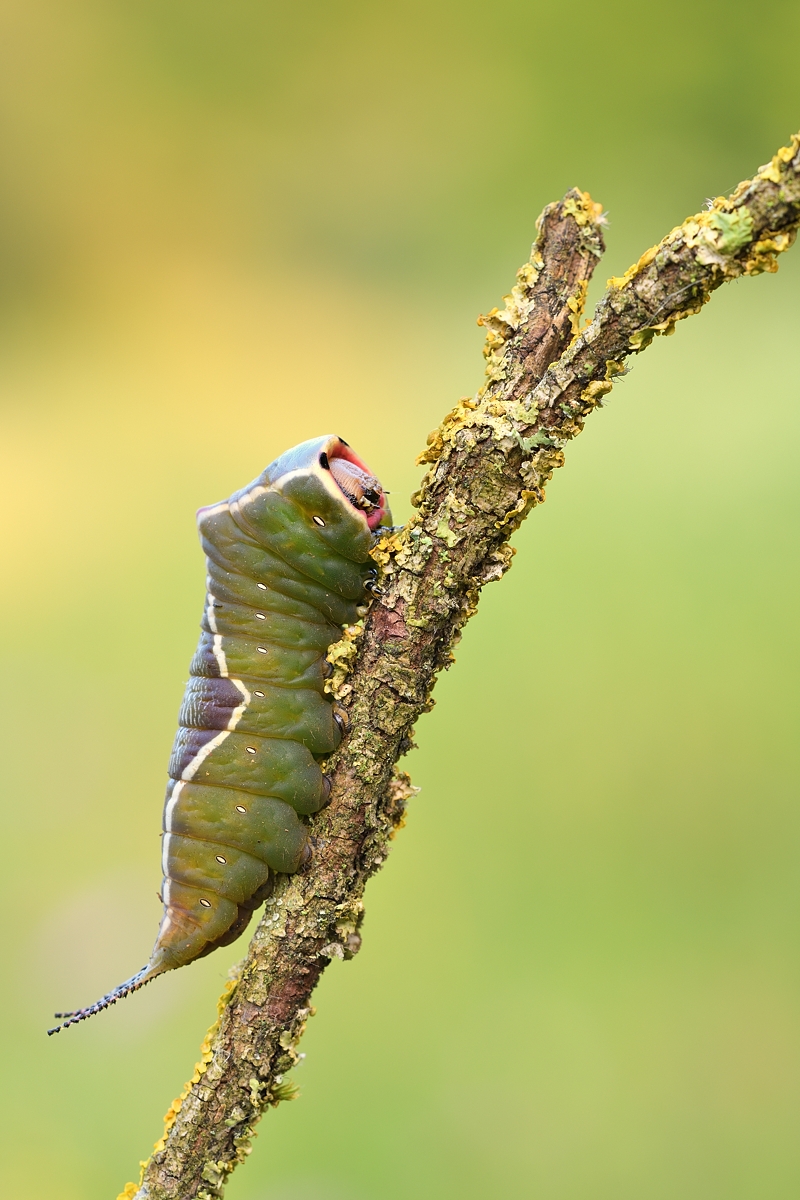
[{"x": 489, "y": 463}]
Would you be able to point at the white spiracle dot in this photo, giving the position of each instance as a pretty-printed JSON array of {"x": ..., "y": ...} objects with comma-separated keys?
[
  {"x": 250, "y": 749},
  {"x": 220, "y": 859},
  {"x": 261, "y": 694},
  {"x": 261, "y": 617},
  {"x": 319, "y": 521},
  {"x": 263, "y": 586},
  {"x": 240, "y": 808},
  {"x": 206, "y": 903}
]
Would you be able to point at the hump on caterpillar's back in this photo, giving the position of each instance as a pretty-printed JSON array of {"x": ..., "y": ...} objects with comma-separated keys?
[{"x": 309, "y": 527}]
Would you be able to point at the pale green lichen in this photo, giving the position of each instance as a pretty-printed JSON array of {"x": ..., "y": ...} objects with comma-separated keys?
[
  {"x": 539, "y": 439},
  {"x": 716, "y": 236},
  {"x": 453, "y": 510}
]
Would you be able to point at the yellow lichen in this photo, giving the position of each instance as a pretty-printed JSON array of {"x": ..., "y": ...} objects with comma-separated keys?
[
  {"x": 763, "y": 253},
  {"x": 388, "y": 544},
  {"x": 463, "y": 414},
  {"x": 641, "y": 338},
  {"x": 576, "y": 304},
  {"x": 594, "y": 391},
  {"x": 586, "y": 211},
  {"x": 516, "y": 514},
  {"x": 400, "y": 790},
  {"x": 717, "y": 235},
  {"x": 200, "y": 1069},
  {"x": 500, "y": 324},
  {"x": 772, "y": 171},
  {"x": 341, "y": 656},
  {"x": 620, "y": 281}
]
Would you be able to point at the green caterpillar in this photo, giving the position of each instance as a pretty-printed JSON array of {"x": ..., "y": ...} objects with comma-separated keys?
[{"x": 288, "y": 565}]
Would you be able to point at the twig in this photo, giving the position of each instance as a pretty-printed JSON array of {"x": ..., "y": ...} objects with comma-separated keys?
[{"x": 489, "y": 463}]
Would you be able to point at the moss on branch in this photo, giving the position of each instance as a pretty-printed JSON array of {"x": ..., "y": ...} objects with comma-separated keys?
[{"x": 488, "y": 464}]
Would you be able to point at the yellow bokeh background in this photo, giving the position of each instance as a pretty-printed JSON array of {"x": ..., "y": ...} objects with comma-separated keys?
[{"x": 226, "y": 227}]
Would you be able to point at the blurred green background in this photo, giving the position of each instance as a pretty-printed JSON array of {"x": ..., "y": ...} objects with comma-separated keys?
[{"x": 226, "y": 227}]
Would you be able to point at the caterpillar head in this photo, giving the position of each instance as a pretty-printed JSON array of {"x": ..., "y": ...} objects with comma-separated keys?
[
  {"x": 342, "y": 472},
  {"x": 361, "y": 489}
]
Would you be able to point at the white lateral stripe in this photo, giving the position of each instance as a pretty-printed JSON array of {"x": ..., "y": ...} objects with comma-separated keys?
[
  {"x": 210, "y": 616},
  {"x": 165, "y": 853},
  {"x": 219, "y": 655},
  {"x": 190, "y": 771},
  {"x": 238, "y": 712},
  {"x": 167, "y": 919},
  {"x": 170, "y": 806}
]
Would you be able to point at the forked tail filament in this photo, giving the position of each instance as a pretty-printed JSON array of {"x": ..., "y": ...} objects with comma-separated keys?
[{"x": 124, "y": 989}]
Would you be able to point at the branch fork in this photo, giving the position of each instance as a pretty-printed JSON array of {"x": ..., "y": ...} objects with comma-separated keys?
[{"x": 489, "y": 463}]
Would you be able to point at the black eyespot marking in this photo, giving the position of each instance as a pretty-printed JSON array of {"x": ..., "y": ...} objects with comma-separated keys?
[{"x": 323, "y": 461}]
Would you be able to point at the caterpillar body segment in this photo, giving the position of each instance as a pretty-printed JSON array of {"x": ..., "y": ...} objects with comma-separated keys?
[{"x": 288, "y": 565}]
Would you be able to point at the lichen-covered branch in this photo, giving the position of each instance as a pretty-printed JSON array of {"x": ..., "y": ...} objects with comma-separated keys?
[{"x": 488, "y": 465}]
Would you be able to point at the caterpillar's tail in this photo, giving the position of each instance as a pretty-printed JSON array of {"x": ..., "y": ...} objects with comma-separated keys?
[
  {"x": 124, "y": 989},
  {"x": 188, "y": 930}
]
